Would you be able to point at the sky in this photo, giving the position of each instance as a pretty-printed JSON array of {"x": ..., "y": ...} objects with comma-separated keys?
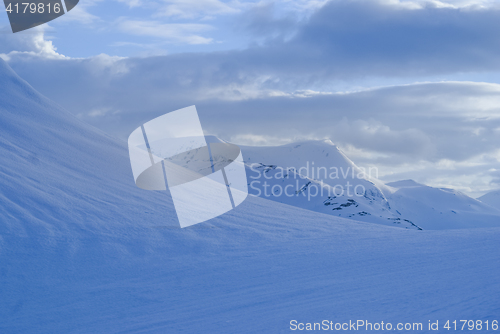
[{"x": 411, "y": 87}]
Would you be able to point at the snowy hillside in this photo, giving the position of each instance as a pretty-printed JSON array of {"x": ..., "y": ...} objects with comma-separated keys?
[
  {"x": 492, "y": 199},
  {"x": 83, "y": 250},
  {"x": 408, "y": 204},
  {"x": 54, "y": 165},
  {"x": 442, "y": 208}
]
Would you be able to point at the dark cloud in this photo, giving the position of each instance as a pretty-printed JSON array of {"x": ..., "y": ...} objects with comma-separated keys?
[
  {"x": 262, "y": 21},
  {"x": 350, "y": 38}
]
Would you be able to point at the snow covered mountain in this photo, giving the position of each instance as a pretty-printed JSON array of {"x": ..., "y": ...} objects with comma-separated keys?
[
  {"x": 442, "y": 208},
  {"x": 83, "y": 250},
  {"x": 492, "y": 199},
  {"x": 321, "y": 178},
  {"x": 317, "y": 176}
]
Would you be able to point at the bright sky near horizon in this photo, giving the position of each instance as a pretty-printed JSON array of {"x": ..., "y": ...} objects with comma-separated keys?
[{"x": 412, "y": 87}]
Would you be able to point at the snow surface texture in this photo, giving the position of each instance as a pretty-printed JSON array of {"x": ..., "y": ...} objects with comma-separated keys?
[{"x": 83, "y": 250}]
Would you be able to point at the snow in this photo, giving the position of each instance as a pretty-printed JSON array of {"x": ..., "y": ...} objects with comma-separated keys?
[
  {"x": 321, "y": 178},
  {"x": 83, "y": 250},
  {"x": 441, "y": 208},
  {"x": 406, "y": 203},
  {"x": 492, "y": 199}
]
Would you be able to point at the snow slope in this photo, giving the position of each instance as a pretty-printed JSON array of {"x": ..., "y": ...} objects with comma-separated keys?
[
  {"x": 442, "y": 208},
  {"x": 82, "y": 250},
  {"x": 492, "y": 199},
  {"x": 53, "y": 165}
]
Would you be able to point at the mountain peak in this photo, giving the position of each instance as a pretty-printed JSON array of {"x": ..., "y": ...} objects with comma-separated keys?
[{"x": 328, "y": 141}]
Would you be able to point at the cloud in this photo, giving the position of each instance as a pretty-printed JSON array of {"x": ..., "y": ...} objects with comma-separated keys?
[
  {"x": 428, "y": 121},
  {"x": 189, "y": 9},
  {"x": 351, "y": 40},
  {"x": 461, "y": 3},
  {"x": 344, "y": 41},
  {"x": 263, "y": 20},
  {"x": 357, "y": 38},
  {"x": 174, "y": 32},
  {"x": 110, "y": 66},
  {"x": 27, "y": 43},
  {"x": 373, "y": 135},
  {"x": 81, "y": 14},
  {"x": 132, "y": 3}
]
